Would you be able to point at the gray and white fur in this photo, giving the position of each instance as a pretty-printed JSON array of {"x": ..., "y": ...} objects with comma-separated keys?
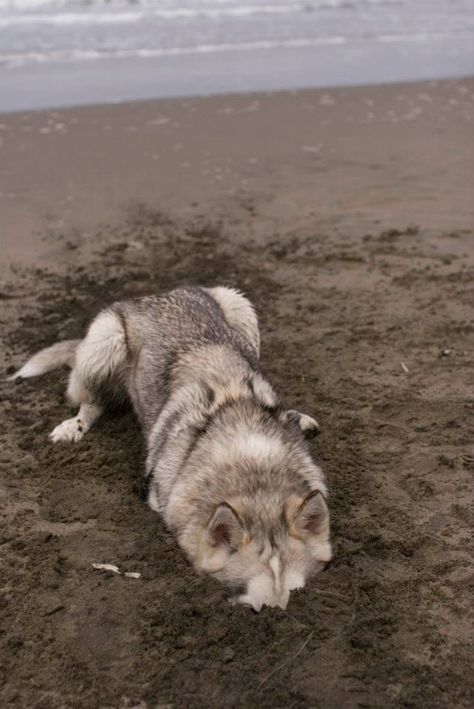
[{"x": 227, "y": 469}]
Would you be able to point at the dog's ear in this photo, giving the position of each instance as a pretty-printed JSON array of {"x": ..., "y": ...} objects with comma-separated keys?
[
  {"x": 225, "y": 528},
  {"x": 312, "y": 516}
]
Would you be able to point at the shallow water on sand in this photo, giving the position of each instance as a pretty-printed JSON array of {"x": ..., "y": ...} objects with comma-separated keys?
[{"x": 210, "y": 46}]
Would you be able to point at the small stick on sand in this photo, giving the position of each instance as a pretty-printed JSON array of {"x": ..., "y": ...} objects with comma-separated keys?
[
  {"x": 116, "y": 570},
  {"x": 404, "y": 367},
  {"x": 107, "y": 567},
  {"x": 287, "y": 662}
]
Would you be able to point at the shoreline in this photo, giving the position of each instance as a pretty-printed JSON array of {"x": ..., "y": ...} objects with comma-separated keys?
[
  {"x": 50, "y": 86},
  {"x": 257, "y": 93}
]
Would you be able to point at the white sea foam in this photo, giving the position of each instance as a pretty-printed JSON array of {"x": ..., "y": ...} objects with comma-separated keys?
[
  {"x": 415, "y": 37},
  {"x": 191, "y": 7},
  {"x": 124, "y": 14},
  {"x": 76, "y": 55}
]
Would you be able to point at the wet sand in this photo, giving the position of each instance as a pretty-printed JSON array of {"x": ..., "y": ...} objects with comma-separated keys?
[{"x": 347, "y": 217}]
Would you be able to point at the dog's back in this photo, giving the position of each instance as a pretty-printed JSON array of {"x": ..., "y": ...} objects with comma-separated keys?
[{"x": 185, "y": 324}]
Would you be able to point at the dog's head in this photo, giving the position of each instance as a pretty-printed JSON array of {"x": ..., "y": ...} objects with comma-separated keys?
[
  {"x": 249, "y": 505},
  {"x": 266, "y": 552}
]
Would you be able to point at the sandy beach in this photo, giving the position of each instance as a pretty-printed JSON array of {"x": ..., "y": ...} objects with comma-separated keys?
[{"x": 346, "y": 215}]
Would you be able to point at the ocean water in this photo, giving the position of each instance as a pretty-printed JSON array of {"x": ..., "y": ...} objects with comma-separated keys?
[{"x": 146, "y": 48}]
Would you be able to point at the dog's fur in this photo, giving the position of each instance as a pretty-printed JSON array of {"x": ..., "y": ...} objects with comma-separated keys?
[{"x": 227, "y": 469}]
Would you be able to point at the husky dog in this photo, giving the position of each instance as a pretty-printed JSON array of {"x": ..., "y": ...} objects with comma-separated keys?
[{"x": 227, "y": 468}]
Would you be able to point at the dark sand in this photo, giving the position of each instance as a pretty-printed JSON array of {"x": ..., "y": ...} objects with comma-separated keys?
[{"x": 347, "y": 217}]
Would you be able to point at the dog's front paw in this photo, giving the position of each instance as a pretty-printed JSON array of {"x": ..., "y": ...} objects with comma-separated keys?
[
  {"x": 307, "y": 424},
  {"x": 71, "y": 431}
]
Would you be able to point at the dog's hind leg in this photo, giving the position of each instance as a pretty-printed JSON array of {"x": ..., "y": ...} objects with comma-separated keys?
[
  {"x": 100, "y": 357},
  {"x": 239, "y": 312}
]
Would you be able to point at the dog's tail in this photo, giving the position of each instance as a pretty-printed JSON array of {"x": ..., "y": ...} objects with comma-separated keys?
[{"x": 48, "y": 359}]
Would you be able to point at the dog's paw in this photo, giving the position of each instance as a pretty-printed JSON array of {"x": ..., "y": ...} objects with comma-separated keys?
[
  {"x": 309, "y": 426},
  {"x": 71, "y": 431}
]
